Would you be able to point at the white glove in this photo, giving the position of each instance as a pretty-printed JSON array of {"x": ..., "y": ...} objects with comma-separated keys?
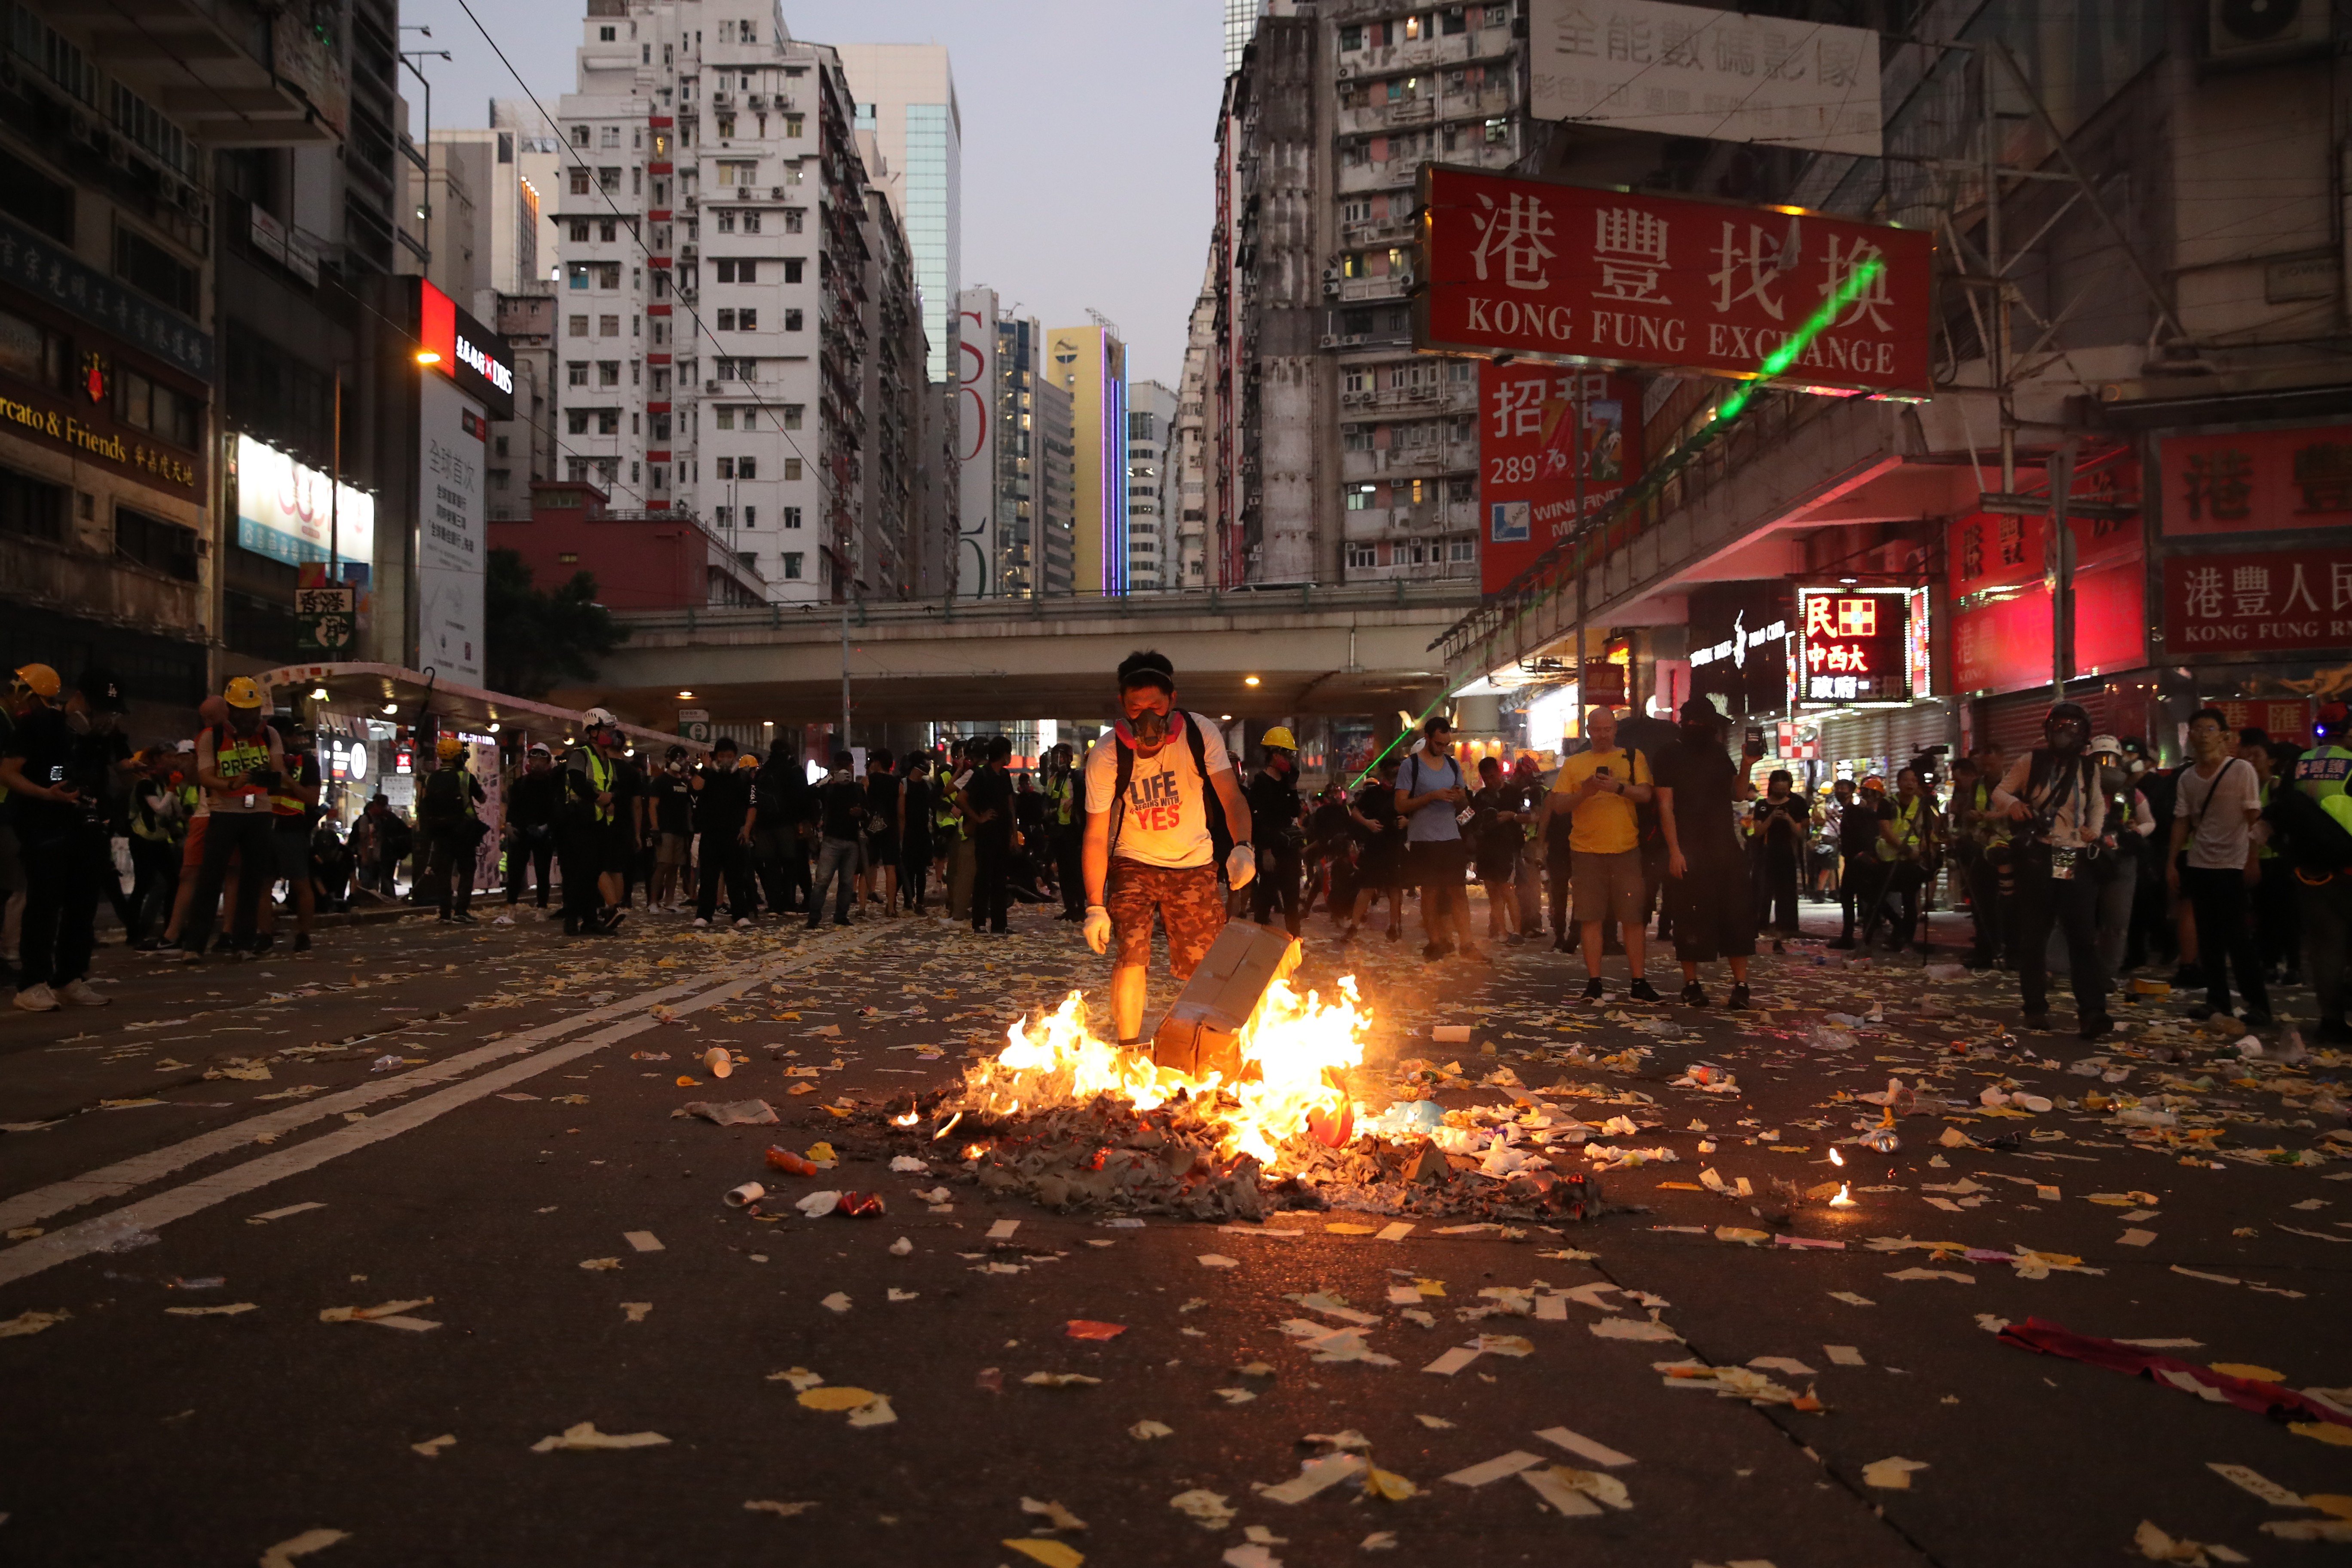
[
  {"x": 1241, "y": 865},
  {"x": 1097, "y": 928}
]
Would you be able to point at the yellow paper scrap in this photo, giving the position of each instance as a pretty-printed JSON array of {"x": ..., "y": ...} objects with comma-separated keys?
[
  {"x": 282, "y": 1555},
  {"x": 1052, "y": 1553}
]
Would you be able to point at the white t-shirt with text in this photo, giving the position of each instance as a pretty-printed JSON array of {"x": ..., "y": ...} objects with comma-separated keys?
[
  {"x": 1166, "y": 823},
  {"x": 2221, "y": 835}
]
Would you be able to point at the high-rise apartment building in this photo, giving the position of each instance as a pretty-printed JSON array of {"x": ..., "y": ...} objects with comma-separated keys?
[
  {"x": 906, "y": 96},
  {"x": 1241, "y": 23},
  {"x": 1340, "y": 454},
  {"x": 1190, "y": 458},
  {"x": 717, "y": 246},
  {"x": 1089, "y": 363},
  {"x": 1054, "y": 556},
  {"x": 1015, "y": 457},
  {"x": 1150, "y": 488}
]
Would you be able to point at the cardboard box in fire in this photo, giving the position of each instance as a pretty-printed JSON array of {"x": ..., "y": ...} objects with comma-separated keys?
[{"x": 1201, "y": 1034}]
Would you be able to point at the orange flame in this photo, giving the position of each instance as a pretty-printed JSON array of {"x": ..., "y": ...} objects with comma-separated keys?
[
  {"x": 1292, "y": 1041},
  {"x": 1842, "y": 1201},
  {"x": 1836, "y": 1158}
]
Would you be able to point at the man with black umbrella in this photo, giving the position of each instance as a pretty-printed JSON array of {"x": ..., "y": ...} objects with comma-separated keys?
[{"x": 1708, "y": 890}]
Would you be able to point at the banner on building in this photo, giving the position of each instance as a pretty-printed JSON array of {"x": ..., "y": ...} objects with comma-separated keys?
[
  {"x": 2257, "y": 481},
  {"x": 452, "y": 551},
  {"x": 2277, "y": 601},
  {"x": 1522, "y": 266},
  {"x": 1861, "y": 645},
  {"x": 975, "y": 446},
  {"x": 2000, "y": 595},
  {"x": 1739, "y": 637},
  {"x": 326, "y": 620},
  {"x": 284, "y": 510},
  {"x": 1684, "y": 70},
  {"x": 1527, "y": 453}
]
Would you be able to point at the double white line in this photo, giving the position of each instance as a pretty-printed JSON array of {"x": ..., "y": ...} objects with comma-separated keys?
[{"x": 621, "y": 1020}]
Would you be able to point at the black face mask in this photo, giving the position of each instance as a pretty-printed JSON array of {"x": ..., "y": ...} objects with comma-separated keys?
[{"x": 1698, "y": 735}]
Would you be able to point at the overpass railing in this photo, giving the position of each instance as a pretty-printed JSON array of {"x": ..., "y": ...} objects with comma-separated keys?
[{"x": 1250, "y": 603}]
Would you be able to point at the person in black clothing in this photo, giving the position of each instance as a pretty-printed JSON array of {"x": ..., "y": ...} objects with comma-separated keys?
[
  {"x": 155, "y": 824},
  {"x": 1066, "y": 828},
  {"x": 722, "y": 811},
  {"x": 55, "y": 785},
  {"x": 530, "y": 808},
  {"x": 987, "y": 800},
  {"x": 1274, "y": 808},
  {"x": 294, "y": 810},
  {"x": 840, "y": 818},
  {"x": 105, "y": 760},
  {"x": 1379, "y": 838},
  {"x": 1708, "y": 889},
  {"x": 1862, "y": 882},
  {"x": 670, "y": 803},
  {"x": 445, "y": 802},
  {"x": 915, "y": 835},
  {"x": 1497, "y": 833},
  {"x": 780, "y": 803},
  {"x": 1330, "y": 865},
  {"x": 1777, "y": 826},
  {"x": 877, "y": 876}
]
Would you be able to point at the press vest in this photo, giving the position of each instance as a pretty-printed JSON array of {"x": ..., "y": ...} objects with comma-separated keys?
[
  {"x": 2320, "y": 775},
  {"x": 1907, "y": 824}
]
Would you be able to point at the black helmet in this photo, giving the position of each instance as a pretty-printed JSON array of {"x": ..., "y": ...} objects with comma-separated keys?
[{"x": 2073, "y": 713}]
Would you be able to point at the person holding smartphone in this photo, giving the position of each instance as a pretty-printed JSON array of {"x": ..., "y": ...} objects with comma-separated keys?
[{"x": 1597, "y": 789}]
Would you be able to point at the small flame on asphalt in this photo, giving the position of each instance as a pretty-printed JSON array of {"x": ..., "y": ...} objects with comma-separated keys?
[
  {"x": 1842, "y": 1201},
  {"x": 1836, "y": 1158},
  {"x": 947, "y": 1127}
]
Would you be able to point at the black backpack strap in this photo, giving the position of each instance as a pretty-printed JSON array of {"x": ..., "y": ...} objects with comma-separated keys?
[{"x": 1126, "y": 756}]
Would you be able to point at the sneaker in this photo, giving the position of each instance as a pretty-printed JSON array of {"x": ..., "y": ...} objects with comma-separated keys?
[
  {"x": 1738, "y": 1002},
  {"x": 37, "y": 999},
  {"x": 255, "y": 946},
  {"x": 2037, "y": 1020},
  {"x": 742, "y": 923},
  {"x": 609, "y": 920},
  {"x": 2097, "y": 1025},
  {"x": 1780, "y": 946},
  {"x": 301, "y": 942},
  {"x": 701, "y": 924},
  {"x": 841, "y": 919},
  {"x": 1513, "y": 939},
  {"x": 1561, "y": 944},
  {"x": 1592, "y": 989},
  {"x": 813, "y": 923},
  {"x": 1694, "y": 994},
  {"x": 447, "y": 918},
  {"x": 81, "y": 994},
  {"x": 1643, "y": 991},
  {"x": 465, "y": 918}
]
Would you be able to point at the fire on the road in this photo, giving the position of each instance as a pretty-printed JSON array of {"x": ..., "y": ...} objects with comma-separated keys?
[{"x": 1294, "y": 1049}]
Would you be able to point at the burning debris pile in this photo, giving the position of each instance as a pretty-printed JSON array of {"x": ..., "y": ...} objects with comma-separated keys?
[{"x": 1076, "y": 1124}]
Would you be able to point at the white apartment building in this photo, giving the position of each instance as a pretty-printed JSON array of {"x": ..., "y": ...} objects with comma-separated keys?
[
  {"x": 1151, "y": 489},
  {"x": 710, "y": 315}
]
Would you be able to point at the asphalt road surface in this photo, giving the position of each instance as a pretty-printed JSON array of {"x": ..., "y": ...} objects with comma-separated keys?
[{"x": 474, "y": 1133}]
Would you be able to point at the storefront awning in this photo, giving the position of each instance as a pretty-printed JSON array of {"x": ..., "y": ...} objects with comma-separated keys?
[{"x": 400, "y": 696}]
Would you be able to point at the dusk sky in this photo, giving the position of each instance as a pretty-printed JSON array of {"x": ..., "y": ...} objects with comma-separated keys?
[{"x": 1087, "y": 135}]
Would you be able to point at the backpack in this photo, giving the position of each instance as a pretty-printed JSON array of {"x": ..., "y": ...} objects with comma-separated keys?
[
  {"x": 1221, "y": 836},
  {"x": 442, "y": 802}
]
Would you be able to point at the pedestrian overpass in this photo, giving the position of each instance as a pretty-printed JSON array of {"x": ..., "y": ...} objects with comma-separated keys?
[{"x": 1358, "y": 648}]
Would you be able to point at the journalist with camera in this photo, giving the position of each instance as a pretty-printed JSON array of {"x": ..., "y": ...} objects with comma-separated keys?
[{"x": 2052, "y": 797}]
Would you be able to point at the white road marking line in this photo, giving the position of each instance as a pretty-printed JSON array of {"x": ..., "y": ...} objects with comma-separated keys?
[{"x": 30, "y": 1258}]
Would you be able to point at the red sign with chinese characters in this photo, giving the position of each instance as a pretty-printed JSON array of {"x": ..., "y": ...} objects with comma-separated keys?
[
  {"x": 1851, "y": 645},
  {"x": 1530, "y": 267},
  {"x": 1527, "y": 458},
  {"x": 2276, "y": 601},
  {"x": 2001, "y": 643},
  {"x": 2252, "y": 482},
  {"x": 2287, "y": 719}
]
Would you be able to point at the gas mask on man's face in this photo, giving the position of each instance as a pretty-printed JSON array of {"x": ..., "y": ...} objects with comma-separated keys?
[
  {"x": 1698, "y": 735},
  {"x": 1150, "y": 727},
  {"x": 2112, "y": 779}
]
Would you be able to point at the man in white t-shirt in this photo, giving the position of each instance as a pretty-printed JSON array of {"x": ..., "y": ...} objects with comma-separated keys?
[
  {"x": 2216, "y": 801},
  {"x": 1152, "y": 851}
]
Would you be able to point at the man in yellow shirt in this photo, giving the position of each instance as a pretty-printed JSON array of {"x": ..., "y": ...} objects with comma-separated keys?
[{"x": 1599, "y": 788}]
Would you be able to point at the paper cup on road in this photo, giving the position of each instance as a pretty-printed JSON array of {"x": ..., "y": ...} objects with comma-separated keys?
[
  {"x": 717, "y": 1062},
  {"x": 749, "y": 1192},
  {"x": 1451, "y": 1034}
]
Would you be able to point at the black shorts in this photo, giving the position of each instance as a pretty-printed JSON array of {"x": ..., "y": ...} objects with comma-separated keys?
[
  {"x": 617, "y": 849},
  {"x": 1436, "y": 862},
  {"x": 1714, "y": 910}
]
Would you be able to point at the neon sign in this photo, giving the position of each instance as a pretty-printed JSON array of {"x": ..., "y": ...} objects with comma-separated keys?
[{"x": 1854, "y": 645}]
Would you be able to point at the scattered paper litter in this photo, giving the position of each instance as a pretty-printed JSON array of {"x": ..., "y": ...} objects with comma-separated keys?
[
  {"x": 1002, "y": 1230},
  {"x": 1060, "y": 1379},
  {"x": 1042, "y": 1548},
  {"x": 733, "y": 1113},
  {"x": 1206, "y": 1509},
  {"x": 283, "y": 1554},
  {"x": 584, "y": 1439},
  {"x": 1583, "y": 1448},
  {"x": 1890, "y": 1475},
  {"x": 1850, "y": 1300},
  {"x": 643, "y": 1240},
  {"x": 636, "y": 1309},
  {"x": 30, "y": 1322},
  {"x": 1440, "y": 1424},
  {"x": 431, "y": 1448},
  {"x": 265, "y": 1217},
  {"x": 386, "y": 1314},
  {"x": 2247, "y": 1480},
  {"x": 1144, "y": 1431},
  {"x": 1552, "y": 1484},
  {"x": 837, "y": 1303},
  {"x": 1314, "y": 1476},
  {"x": 1844, "y": 1355},
  {"x": 1219, "y": 1260},
  {"x": 1647, "y": 1331},
  {"x": 594, "y": 1263},
  {"x": 1495, "y": 1469},
  {"x": 229, "y": 1310},
  {"x": 780, "y": 1509},
  {"x": 1933, "y": 1274},
  {"x": 1087, "y": 1329}
]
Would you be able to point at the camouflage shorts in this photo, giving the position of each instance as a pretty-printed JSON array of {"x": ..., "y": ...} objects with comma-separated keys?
[{"x": 1189, "y": 905}]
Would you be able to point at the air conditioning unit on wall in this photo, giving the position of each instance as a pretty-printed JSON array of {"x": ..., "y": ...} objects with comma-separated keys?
[{"x": 2257, "y": 32}]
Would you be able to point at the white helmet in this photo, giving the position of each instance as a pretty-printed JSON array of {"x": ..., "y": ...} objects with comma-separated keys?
[{"x": 602, "y": 718}]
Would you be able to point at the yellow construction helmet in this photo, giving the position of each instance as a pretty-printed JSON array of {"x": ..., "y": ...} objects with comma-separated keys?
[
  {"x": 39, "y": 679},
  {"x": 1281, "y": 737},
  {"x": 448, "y": 746},
  {"x": 242, "y": 692},
  {"x": 747, "y": 761}
]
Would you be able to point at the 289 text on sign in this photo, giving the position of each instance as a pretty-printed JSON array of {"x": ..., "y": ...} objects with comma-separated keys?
[{"x": 1520, "y": 266}]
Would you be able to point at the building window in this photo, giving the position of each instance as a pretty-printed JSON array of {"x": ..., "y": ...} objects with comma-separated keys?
[
  {"x": 750, "y": 517},
  {"x": 726, "y": 320},
  {"x": 576, "y": 372},
  {"x": 609, "y": 176},
  {"x": 725, "y": 418},
  {"x": 738, "y": 171},
  {"x": 579, "y": 228},
  {"x": 1461, "y": 550},
  {"x": 791, "y": 321},
  {"x": 795, "y": 124},
  {"x": 792, "y": 265},
  {"x": 575, "y": 421},
  {"x": 796, "y": 219},
  {"x": 792, "y": 468},
  {"x": 148, "y": 267},
  {"x": 579, "y": 327},
  {"x": 579, "y": 188},
  {"x": 750, "y": 223},
  {"x": 1359, "y": 498},
  {"x": 609, "y": 136},
  {"x": 1357, "y": 379},
  {"x": 1356, "y": 438},
  {"x": 746, "y": 468},
  {"x": 791, "y": 516},
  {"x": 608, "y": 326},
  {"x": 576, "y": 275},
  {"x": 791, "y": 415},
  {"x": 726, "y": 467},
  {"x": 747, "y": 320},
  {"x": 580, "y": 132},
  {"x": 158, "y": 545},
  {"x": 608, "y": 422},
  {"x": 723, "y": 516},
  {"x": 793, "y": 564},
  {"x": 726, "y": 220},
  {"x": 608, "y": 373},
  {"x": 1359, "y": 555}
]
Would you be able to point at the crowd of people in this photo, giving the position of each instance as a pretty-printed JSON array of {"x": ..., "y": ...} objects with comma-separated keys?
[{"x": 2233, "y": 870}]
